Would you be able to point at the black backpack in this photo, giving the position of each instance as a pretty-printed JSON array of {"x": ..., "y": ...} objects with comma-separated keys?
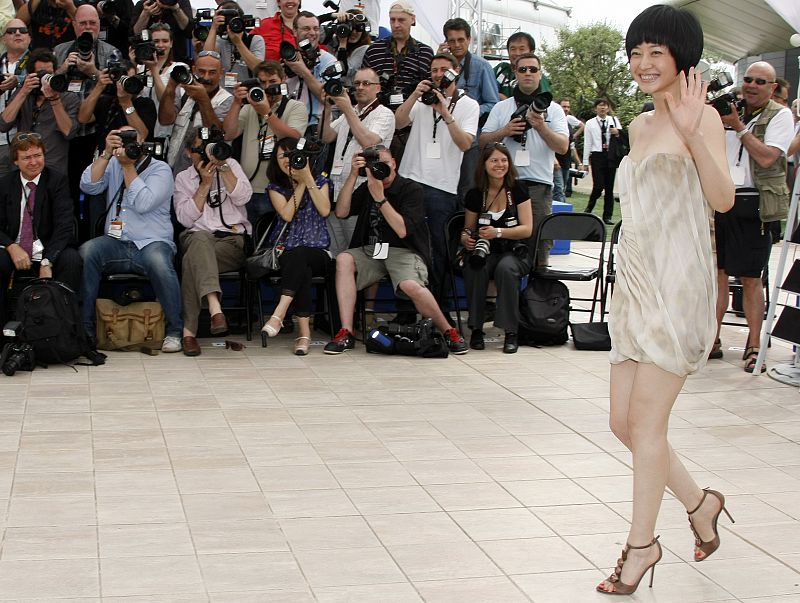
[
  {"x": 51, "y": 323},
  {"x": 544, "y": 313}
]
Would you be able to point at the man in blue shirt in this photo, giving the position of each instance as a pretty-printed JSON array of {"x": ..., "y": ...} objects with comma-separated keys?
[
  {"x": 477, "y": 79},
  {"x": 137, "y": 235}
]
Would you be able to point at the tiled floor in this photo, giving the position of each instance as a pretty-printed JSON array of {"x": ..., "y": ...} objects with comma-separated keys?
[{"x": 260, "y": 476}]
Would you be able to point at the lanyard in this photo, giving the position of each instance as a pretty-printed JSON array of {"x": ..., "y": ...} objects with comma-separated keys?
[
  {"x": 509, "y": 202},
  {"x": 263, "y": 125},
  {"x": 465, "y": 70},
  {"x": 361, "y": 116},
  {"x": 117, "y": 200},
  {"x": 753, "y": 117},
  {"x": 450, "y": 108}
]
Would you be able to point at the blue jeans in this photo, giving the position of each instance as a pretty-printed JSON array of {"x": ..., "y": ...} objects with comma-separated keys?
[
  {"x": 439, "y": 207},
  {"x": 106, "y": 255},
  {"x": 558, "y": 186}
]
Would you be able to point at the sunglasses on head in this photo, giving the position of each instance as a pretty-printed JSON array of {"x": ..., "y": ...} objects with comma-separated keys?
[
  {"x": 13, "y": 30},
  {"x": 22, "y": 136},
  {"x": 527, "y": 68},
  {"x": 758, "y": 80}
]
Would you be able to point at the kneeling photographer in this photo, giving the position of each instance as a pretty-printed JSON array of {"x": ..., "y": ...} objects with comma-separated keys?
[
  {"x": 498, "y": 223},
  {"x": 115, "y": 102},
  {"x": 210, "y": 201}
]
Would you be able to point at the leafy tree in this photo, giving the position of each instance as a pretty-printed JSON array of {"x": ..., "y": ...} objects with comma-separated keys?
[{"x": 589, "y": 62}]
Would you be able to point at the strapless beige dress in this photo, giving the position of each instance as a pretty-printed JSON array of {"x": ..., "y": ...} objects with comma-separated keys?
[{"x": 663, "y": 308}]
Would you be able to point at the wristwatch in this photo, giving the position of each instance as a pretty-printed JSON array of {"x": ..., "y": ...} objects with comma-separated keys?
[
  {"x": 46, "y": 263},
  {"x": 106, "y": 155},
  {"x": 130, "y": 110},
  {"x": 499, "y": 232},
  {"x": 223, "y": 167},
  {"x": 381, "y": 202}
]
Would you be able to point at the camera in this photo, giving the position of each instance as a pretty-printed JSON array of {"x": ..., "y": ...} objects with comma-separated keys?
[
  {"x": 277, "y": 90},
  {"x": 231, "y": 16},
  {"x": 255, "y": 92},
  {"x": 372, "y": 155},
  {"x": 305, "y": 50},
  {"x": 108, "y": 8},
  {"x": 333, "y": 84},
  {"x": 143, "y": 48},
  {"x": 477, "y": 259},
  {"x": 422, "y": 330},
  {"x": 429, "y": 96},
  {"x": 84, "y": 46},
  {"x": 573, "y": 173},
  {"x": 59, "y": 82},
  {"x": 212, "y": 144},
  {"x": 132, "y": 84},
  {"x": 115, "y": 69},
  {"x": 201, "y": 24},
  {"x": 722, "y": 102},
  {"x": 521, "y": 113},
  {"x": 541, "y": 102},
  {"x": 17, "y": 357},
  {"x": 298, "y": 158},
  {"x": 182, "y": 74}
]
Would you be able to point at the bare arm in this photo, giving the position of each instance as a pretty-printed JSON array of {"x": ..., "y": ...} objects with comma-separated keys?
[
  {"x": 794, "y": 147},
  {"x": 166, "y": 108}
]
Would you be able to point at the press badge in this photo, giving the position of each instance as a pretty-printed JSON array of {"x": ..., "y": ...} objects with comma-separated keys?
[
  {"x": 338, "y": 167},
  {"x": 395, "y": 100},
  {"x": 737, "y": 174},
  {"x": 433, "y": 150},
  {"x": 522, "y": 158},
  {"x": 75, "y": 86},
  {"x": 115, "y": 229},
  {"x": 381, "y": 251},
  {"x": 267, "y": 147},
  {"x": 231, "y": 79},
  {"x": 36, "y": 251}
]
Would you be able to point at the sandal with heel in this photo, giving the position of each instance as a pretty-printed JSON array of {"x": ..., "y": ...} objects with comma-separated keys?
[
  {"x": 620, "y": 588},
  {"x": 301, "y": 345},
  {"x": 707, "y": 548},
  {"x": 269, "y": 329}
]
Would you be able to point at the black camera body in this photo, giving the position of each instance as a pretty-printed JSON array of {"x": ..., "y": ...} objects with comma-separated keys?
[
  {"x": 722, "y": 102},
  {"x": 521, "y": 113},
  {"x": 304, "y": 50},
  {"x": 17, "y": 356},
  {"x": 379, "y": 169},
  {"x": 573, "y": 173},
  {"x": 116, "y": 69},
  {"x": 133, "y": 84},
  {"x": 306, "y": 148},
  {"x": 212, "y": 144},
  {"x": 182, "y": 74},
  {"x": 84, "y": 46},
  {"x": 59, "y": 82},
  {"x": 429, "y": 96},
  {"x": 333, "y": 85},
  {"x": 143, "y": 48},
  {"x": 201, "y": 25}
]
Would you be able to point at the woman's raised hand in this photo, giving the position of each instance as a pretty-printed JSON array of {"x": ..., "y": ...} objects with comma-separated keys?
[{"x": 686, "y": 112}]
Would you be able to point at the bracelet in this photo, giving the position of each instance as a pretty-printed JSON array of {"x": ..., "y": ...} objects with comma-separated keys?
[
  {"x": 106, "y": 155},
  {"x": 740, "y": 134},
  {"x": 223, "y": 167},
  {"x": 451, "y": 122},
  {"x": 499, "y": 233}
]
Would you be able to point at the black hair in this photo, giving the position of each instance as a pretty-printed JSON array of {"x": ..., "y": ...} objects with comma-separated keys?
[
  {"x": 232, "y": 4},
  {"x": 603, "y": 99},
  {"x": 42, "y": 55},
  {"x": 678, "y": 30},
  {"x": 274, "y": 172},
  {"x": 457, "y": 24},
  {"x": 521, "y": 35},
  {"x": 303, "y": 13}
]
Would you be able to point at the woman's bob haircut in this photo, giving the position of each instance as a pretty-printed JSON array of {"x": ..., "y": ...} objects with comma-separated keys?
[{"x": 678, "y": 30}]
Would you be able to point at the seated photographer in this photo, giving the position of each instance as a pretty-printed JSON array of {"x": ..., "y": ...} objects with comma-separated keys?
[
  {"x": 115, "y": 102},
  {"x": 261, "y": 123},
  {"x": 498, "y": 223},
  {"x": 205, "y": 104},
  {"x": 36, "y": 107},
  {"x": 391, "y": 238},
  {"x": 35, "y": 219},
  {"x": 241, "y": 51},
  {"x": 210, "y": 199},
  {"x": 302, "y": 204},
  {"x": 138, "y": 234},
  {"x": 176, "y": 15}
]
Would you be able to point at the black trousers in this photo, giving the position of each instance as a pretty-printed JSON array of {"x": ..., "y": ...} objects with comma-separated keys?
[
  {"x": 507, "y": 271},
  {"x": 602, "y": 183},
  {"x": 81, "y": 154},
  {"x": 298, "y": 267}
]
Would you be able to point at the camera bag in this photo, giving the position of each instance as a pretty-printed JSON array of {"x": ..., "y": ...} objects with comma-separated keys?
[
  {"x": 591, "y": 336},
  {"x": 544, "y": 313},
  {"x": 421, "y": 340},
  {"x": 129, "y": 328},
  {"x": 51, "y": 323}
]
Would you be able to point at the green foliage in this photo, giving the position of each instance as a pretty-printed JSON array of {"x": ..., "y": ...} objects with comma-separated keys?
[{"x": 590, "y": 62}]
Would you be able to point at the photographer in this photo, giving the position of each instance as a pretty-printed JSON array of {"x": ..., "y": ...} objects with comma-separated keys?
[
  {"x": 210, "y": 199},
  {"x": 160, "y": 69},
  {"x": 533, "y": 137},
  {"x": 14, "y": 66},
  {"x": 49, "y": 21},
  {"x": 365, "y": 124},
  {"x": 278, "y": 28},
  {"x": 498, "y": 224},
  {"x": 36, "y": 107},
  {"x": 391, "y": 238},
  {"x": 306, "y": 85},
  {"x": 35, "y": 219},
  {"x": 756, "y": 143},
  {"x": 599, "y": 131},
  {"x": 262, "y": 123},
  {"x": 176, "y": 15},
  {"x": 138, "y": 234},
  {"x": 110, "y": 106},
  {"x": 443, "y": 127},
  {"x": 115, "y": 21},
  {"x": 205, "y": 104},
  {"x": 241, "y": 52},
  {"x": 302, "y": 204},
  {"x": 350, "y": 49}
]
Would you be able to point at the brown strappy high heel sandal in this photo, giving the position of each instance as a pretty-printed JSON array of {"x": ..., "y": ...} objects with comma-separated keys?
[
  {"x": 707, "y": 548},
  {"x": 620, "y": 588}
]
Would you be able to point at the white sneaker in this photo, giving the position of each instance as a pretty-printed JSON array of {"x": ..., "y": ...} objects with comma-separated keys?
[{"x": 171, "y": 344}]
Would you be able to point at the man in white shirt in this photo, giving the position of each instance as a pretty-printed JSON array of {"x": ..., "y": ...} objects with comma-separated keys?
[
  {"x": 756, "y": 145},
  {"x": 598, "y": 133},
  {"x": 366, "y": 124},
  {"x": 440, "y": 134}
]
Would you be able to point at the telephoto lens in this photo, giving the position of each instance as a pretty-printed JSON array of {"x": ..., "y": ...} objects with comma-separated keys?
[
  {"x": 58, "y": 81},
  {"x": 84, "y": 46},
  {"x": 287, "y": 51},
  {"x": 182, "y": 74},
  {"x": 132, "y": 84},
  {"x": 477, "y": 259}
]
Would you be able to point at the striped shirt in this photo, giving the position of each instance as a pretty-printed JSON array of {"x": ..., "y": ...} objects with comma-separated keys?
[{"x": 411, "y": 66}]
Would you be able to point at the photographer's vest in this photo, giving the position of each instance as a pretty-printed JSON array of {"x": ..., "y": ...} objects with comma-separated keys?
[
  {"x": 189, "y": 117},
  {"x": 770, "y": 181}
]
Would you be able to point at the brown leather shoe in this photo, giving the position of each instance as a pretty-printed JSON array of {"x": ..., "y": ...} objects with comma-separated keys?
[
  {"x": 219, "y": 324},
  {"x": 191, "y": 347}
]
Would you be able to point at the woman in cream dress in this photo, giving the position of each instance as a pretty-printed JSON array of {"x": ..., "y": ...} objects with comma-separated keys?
[{"x": 662, "y": 314}]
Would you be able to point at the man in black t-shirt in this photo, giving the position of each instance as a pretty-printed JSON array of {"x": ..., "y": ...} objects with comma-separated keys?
[{"x": 391, "y": 237}]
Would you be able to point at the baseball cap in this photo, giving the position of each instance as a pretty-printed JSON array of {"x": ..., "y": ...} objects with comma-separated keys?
[{"x": 403, "y": 7}]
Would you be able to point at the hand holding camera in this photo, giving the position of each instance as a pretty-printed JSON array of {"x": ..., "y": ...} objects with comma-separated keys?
[{"x": 9, "y": 82}]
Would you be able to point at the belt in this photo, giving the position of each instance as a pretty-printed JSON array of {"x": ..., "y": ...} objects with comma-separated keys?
[{"x": 747, "y": 192}]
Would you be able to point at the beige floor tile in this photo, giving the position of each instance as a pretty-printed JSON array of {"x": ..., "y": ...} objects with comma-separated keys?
[
  {"x": 139, "y": 509},
  {"x": 475, "y": 590},
  {"x": 446, "y": 471},
  {"x": 251, "y": 571},
  {"x": 395, "y": 499},
  {"x": 534, "y": 555},
  {"x": 225, "y": 506},
  {"x": 38, "y": 579},
  {"x": 353, "y": 452},
  {"x": 310, "y": 503},
  {"x": 346, "y": 567},
  {"x": 135, "y": 483},
  {"x": 135, "y": 576},
  {"x": 463, "y": 497},
  {"x": 210, "y": 481},
  {"x": 416, "y": 528},
  {"x": 53, "y": 421},
  {"x": 443, "y": 561},
  {"x": 562, "y": 587},
  {"x": 385, "y": 593},
  {"x": 371, "y": 475},
  {"x": 297, "y": 477},
  {"x": 144, "y": 540},
  {"x": 122, "y": 459},
  {"x": 548, "y": 492},
  {"x": 321, "y": 533},
  {"x": 53, "y": 460},
  {"x": 500, "y": 524},
  {"x": 79, "y": 483},
  {"x": 519, "y": 468},
  {"x": 570, "y": 520},
  {"x": 237, "y": 536},
  {"x": 67, "y": 542},
  {"x": 267, "y": 596},
  {"x": 52, "y": 511},
  {"x": 127, "y": 439},
  {"x": 284, "y": 454}
]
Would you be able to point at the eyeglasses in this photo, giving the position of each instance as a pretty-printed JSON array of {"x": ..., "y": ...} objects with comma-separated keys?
[
  {"x": 13, "y": 30},
  {"x": 364, "y": 84},
  {"x": 758, "y": 80},
  {"x": 23, "y": 136},
  {"x": 527, "y": 68},
  {"x": 209, "y": 53}
]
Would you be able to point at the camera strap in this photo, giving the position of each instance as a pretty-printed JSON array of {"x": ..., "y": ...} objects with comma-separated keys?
[
  {"x": 263, "y": 127},
  {"x": 509, "y": 201},
  {"x": 117, "y": 199},
  {"x": 465, "y": 70},
  {"x": 361, "y": 117},
  {"x": 450, "y": 108}
]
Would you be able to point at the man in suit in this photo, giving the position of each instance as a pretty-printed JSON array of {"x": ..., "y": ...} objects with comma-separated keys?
[{"x": 36, "y": 223}]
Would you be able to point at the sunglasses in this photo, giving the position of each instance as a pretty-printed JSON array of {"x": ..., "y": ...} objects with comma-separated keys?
[
  {"x": 234, "y": 345},
  {"x": 13, "y": 30},
  {"x": 22, "y": 136},
  {"x": 359, "y": 84},
  {"x": 528, "y": 68},
  {"x": 209, "y": 53},
  {"x": 758, "y": 80}
]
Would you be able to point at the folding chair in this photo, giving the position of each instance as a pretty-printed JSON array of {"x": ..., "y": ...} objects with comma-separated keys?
[
  {"x": 611, "y": 269},
  {"x": 452, "y": 235},
  {"x": 575, "y": 227}
]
